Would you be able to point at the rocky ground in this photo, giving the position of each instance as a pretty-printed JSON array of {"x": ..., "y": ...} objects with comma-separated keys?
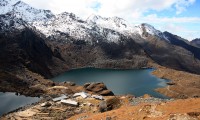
[
  {"x": 182, "y": 84},
  {"x": 169, "y": 110},
  {"x": 125, "y": 107}
]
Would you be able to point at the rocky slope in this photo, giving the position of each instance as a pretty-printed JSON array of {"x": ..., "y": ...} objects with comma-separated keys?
[
  {"x": 178, "y": 41},
  {"x": 170, "y": 55},
  {"x": 196, "y": 42},
  {"x": 149, "y": 109},
  {"x": 65, "y": 41},
  {"x": 114, "y": 40},
  {"x": 112, "y": 108}
]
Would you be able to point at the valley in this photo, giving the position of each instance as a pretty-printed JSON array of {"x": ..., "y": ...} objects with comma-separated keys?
[{"x": 37, "y": 46}]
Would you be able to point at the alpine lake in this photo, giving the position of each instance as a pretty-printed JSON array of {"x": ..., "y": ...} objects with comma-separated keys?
[
  {"x": 131, "y": 81},
  {"x": 121, "y": 82}
]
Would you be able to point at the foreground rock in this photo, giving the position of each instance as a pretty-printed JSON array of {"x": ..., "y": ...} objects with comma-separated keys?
[{"x": 98, "y": 88}]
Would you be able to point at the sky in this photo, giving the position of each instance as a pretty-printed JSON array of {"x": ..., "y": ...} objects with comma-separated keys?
[{"x": 180, "y": 17}]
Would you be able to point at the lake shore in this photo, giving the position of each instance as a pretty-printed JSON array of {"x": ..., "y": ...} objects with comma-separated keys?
[{"x": 183, "y": 84}]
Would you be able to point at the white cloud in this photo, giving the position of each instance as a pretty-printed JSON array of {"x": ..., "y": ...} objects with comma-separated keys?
[
  {"x": 153, "y": 18},
  {"x": 191, "y": 35},
  {"x": 180, "y": 30},
  {"x": 121, "y": 8},
  {"x": 175, "y": 25},
  {"x": 182, "y": 4},
  {"x": 82, "y": 8},
  {"x": 172, "y": 28},
  {"x": 130, "y": 10}
]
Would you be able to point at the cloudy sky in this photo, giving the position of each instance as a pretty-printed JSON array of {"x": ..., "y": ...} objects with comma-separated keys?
[{"x": 180, "y": 17}]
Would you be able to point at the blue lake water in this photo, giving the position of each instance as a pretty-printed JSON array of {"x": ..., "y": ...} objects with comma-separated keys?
[
  {"x": 10, "y": 102},
  {"x": 136, "y": 82}
]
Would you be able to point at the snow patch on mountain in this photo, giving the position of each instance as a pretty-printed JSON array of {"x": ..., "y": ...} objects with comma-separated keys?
[
  {"x": 65, "y": 23},
  {"x": 22, "y": 10},
  {"x": 114, "y": 23},
  {"x": 122, "y": 26},
  {"x": 152, "y": 31},
  {"x": 109, "y": 23},
  {"x": 69, "y": 25},
  {"x": 7, "y": 6},
  {"x": 8, "y": 23}
]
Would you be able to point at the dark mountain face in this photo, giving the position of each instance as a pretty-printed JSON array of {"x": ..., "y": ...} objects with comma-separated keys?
[
  {"x": 170, "y": 55},
  {"x": 178, "y": 41},
  {"x": 66, "y": 42},
  {"x": 196, "y": 42},
  {"x": 27, "y": 47}
]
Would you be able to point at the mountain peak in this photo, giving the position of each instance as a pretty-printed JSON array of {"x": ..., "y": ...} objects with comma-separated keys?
[
  {"x": 22, "y": 10},
  {"x": 93, "y": 18},
  {"x": 7, "y": 6},
  {"x": 150, "y": 29},
  {"x": 46, "y": 21},
  {"x": 67, "y": 14},
  {"x": 10, "y": 1},
  {"x": 19, "y": 2},
  {"x": 114, "y": 23}
]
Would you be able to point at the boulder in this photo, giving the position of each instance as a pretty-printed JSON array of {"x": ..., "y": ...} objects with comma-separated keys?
[
  {"x": 171, "y": 83},
  {"x": 146, "y": 96},
  {"x": 106, "y": 93},
  {"x": 46, "y": 104},
  {"x": 99, "y": 88},
  {"x": 102, "y": 106},
  {"x": 109, "y": 104},
  {"x": 113, "y": 103},
  {"x": 67, "y": 83},
  {"x": 96, "y": 87},
  {"x": 70, "y": 83}
]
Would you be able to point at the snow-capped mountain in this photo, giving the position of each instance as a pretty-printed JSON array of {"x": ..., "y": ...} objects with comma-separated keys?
[
  {"x": 9, "y": 23},
  {"x": 69, "y": 25},
  {"x": 100, "y": 41},
  {"x": 7, "y": 6},
  {"x": 122, "y": 26},
  {"x": 114, "y": 23},
  {"x": 22, "y": 10}
]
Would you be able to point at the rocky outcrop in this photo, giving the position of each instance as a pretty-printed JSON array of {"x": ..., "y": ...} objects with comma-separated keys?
[{"x": 98, "y": 88}]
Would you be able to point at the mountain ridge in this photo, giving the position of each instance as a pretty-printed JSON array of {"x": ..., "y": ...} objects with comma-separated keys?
[
  {"x": 32, "y": 15},
  {"x": 116, "y": 40}
]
